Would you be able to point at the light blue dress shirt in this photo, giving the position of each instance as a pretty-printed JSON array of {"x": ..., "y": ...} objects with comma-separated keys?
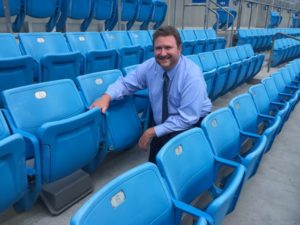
[{"x": 187, "y": 99}]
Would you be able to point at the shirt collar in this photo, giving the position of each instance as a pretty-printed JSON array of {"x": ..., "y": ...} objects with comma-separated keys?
[{"x": 173, "y": 71}]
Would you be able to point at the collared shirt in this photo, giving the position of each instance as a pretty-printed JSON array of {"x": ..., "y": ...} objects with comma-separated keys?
[{"x": 187, "y": 99}]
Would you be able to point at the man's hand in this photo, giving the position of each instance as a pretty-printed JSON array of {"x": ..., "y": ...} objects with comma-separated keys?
[
  {"x": 102, "y": 103},
  {"x": 146, "y": 138}
]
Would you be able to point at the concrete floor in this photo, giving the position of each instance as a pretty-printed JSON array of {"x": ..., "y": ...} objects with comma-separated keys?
[{"x": 272, "y": 196}]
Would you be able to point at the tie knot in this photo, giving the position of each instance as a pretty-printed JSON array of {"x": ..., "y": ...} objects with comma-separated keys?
[{"x": 165, "y": 76}]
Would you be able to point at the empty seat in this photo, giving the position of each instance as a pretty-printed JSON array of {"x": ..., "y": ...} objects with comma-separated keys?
[
  {"x": 128, "y": 12},
  {"x": 189, "y": 35},
  {"x": 51, "y": 115},
  {"x": 15, "y": 188},
  {"x": 74, "y": 12},
  {"x": 250, "y": 62},
  {"x": 16, "y": 9},
  {"x": 201, "y": 35},
  {"x": 15, "y": 70},
  {"x": 128, "y": 54},
  {"x": 92, "y": 47},
  {"x": 159, "y": 13},
  {"x": 43, "y": 10},
  {"x": 190, "y": 155},
  {"x": 211, "y": 35},
  {"x": 144, "y": 13},
  {"x": 187, "y": 45},
  {"x": 251, "y": 121},
  {"x": 54, "y": 60},
  {"x": 259, "y": 58},
  {"x": 120, "y": 201},
  {"x": 143, "y": 39},
  {"x": 227, "y": 140},
  {"x": 122, "y": 125}
]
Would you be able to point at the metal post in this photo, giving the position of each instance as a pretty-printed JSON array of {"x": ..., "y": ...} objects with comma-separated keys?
[
  {"x": 250, "y": 19},
  {"x": 239, "y": 14}
]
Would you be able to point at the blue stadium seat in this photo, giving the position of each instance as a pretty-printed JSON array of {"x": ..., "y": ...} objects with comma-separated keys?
[
  {"x": 251, "y": 121},
  {"x": 259, "y": 58},
  {"x": 15, "y": 70},
  {"x": 17, "y": 9},
  {"x": 264, "y": 105},
  {"x": 220, "y": 42},
  {"x": 122, "y": 125},
  {"x": 159, "y": 13},
  {"x": 187, "y": 45},
  {"x": 234, "y": 58},
  {"x": 128, "y": 54},
  {"x": 128, "y": 12},
  {"x": 227, "y": 140},
  {"x": 201, "y": 35},
  {"x": 223, "y": 61},
  {"x": 44, "y": 9},
  {"x": 92, "y": 47},
  {"x": 141, "y": 100},
  {"x": 79, "y": 10},
  {"x": 250, "y": 63},
  {"x": 189, "y": 35},
  {"x": 143, "y": 39},
  {"x": 52, "y": 118},
  {"x": 54, "y": 60},
  {"x": 16, "y": 190},
  {"x": 223, "y": 17},
  {"x": 144, "y": 13},
  {"x": 190, "y": 155},
  {"x": 122, "y": 199}
]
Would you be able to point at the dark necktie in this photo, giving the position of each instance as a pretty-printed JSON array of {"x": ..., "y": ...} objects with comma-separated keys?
[{"x": 165, "y": 112}]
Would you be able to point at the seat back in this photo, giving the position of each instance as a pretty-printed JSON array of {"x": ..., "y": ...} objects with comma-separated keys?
[
  {"x": 128, "y": 12},
  {"x": 232, "y": 55},
  {"x": 39, "y": 44},
  {"x": 222, "y": 131},
  {"x": 9, "y": 46},
  {"x": 116, "y": 39},
  {"x": 103, "y": 9},
  {"x": 140, "y": 37},
  {"x": 208, "y": 61},
  {"x": 271, "y": 88},
  {"x": 279, "y": 82},
  {"x": 121, "y": 112},
  {"x": 260, "y": 98},
  {"x": 159, "y": 13},
  {"x": 245, "y": 112},
  {"x": 33, "y": 105},
  {"x": 144, "y": 11},
  {"x": 189, "y": 148},
  {"x": 121, "y": 200}
]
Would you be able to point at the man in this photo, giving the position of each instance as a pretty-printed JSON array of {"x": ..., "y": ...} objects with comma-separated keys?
[{"x": 177, "y": 91}]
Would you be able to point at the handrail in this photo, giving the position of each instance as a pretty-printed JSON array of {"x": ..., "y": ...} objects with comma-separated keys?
[
  {"x": 7, "y": 16},
  {"x": 229, "y": 13},
  {"x": 273, "y": 42}
]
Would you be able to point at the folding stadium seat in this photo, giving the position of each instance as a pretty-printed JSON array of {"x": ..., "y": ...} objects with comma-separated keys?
[
  {"x": 189, "y": 35},
  {"x": 220, "y": 42},
  {"x": 209, "y": 66},
  {"x": 276, "y": 96},
  {"x": 53, "y": 58},
  {"x": 52, "y": 119},
  {"x": 251, "y": 121},
  {"x": 223, "y": 61},
  {"x": 260, "y": 39},
  {"x": 159, "y": 13},
  {"x": 122, "y": 199},
  {"x": 234, "y": 59},
  {"x": 201, "y": 35},
  {"x": 15, "y": 70},
  {"x": 75, "y": 15},
  {"x": 141, "y": 101},
  {"x": 143, "y": 39},
  {"x": 92, "y": 47},
  {"x": 224, "y": 17},
  {"x": 128, "y": 12},
  {"x": 209, "y": 72},
  {"x": 16, "y": 10},
  {"x": 190, "y": 155},
  {"x": 279, "y": 53},
  {"x": 227, "y": 140},
  {"x": 16, "y": 190},
  {"x": 128, "y": 54},
  {"x": 103, "y": 14},
  {"x": 251, "y": 62},
  {"x": 144, "y": 13},
  {"x": 247, "y": 37},
  {"x": 259, "y": 58},
  {"x": 265, "y": 106},
  {"x": 187, "y": 45},
  {"x": 122, "y": 125},
  {"x": 39, "y": 10}
]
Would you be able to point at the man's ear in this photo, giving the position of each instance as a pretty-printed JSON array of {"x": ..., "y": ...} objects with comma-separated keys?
[{"x": 180, "y": 47}]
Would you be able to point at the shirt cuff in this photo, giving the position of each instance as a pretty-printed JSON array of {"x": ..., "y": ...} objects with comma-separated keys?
[{"x": 161, "y": 130}]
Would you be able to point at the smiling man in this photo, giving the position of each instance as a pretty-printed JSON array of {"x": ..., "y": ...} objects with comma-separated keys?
[{"x": 177, "y": 91}]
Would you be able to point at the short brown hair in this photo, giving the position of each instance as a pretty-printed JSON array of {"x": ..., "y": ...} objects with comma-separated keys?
[{"x": 167, "y": 31}]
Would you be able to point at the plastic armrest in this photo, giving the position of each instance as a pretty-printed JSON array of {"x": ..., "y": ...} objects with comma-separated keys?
[
  {"x": 192, "y": 210},
  {"x": 227, "y": 162},
  {"x": 278, "y": 103},
  {"x": 251, "y": 135},
  {"x": 285, "y": 94},
  {"x": 268, "y": 117}
]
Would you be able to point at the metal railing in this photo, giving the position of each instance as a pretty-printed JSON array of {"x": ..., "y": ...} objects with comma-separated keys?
[{"x": 273, "y": 42}]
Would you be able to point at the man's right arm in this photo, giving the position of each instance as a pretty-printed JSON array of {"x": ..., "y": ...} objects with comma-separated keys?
[{"x": 102, "y": 103}]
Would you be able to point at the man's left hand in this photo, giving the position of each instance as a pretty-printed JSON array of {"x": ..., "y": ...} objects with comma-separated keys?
[{"x": 146, "y": 138}]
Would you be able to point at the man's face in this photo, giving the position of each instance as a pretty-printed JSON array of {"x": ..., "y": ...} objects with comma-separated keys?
[{"x": 166, "y": 52}]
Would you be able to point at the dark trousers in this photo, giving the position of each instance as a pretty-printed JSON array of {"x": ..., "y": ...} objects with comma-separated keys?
[{"x": 158, "y": 142}]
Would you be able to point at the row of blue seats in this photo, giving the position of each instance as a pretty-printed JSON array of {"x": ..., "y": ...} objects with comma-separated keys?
[
  {"x": 50, "y": 56},
  {"x": 274, "y": 19},
  {"x": 295, "y": 21},
  {"x": 48, "y": 122},
  {"x": 285, "y": 49},
  {"x": 225, "y": 69},
  {"x": 261, "y": 39},
  {"x": 255, "y": 116},
  {"x": 58, "y": 12}
]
